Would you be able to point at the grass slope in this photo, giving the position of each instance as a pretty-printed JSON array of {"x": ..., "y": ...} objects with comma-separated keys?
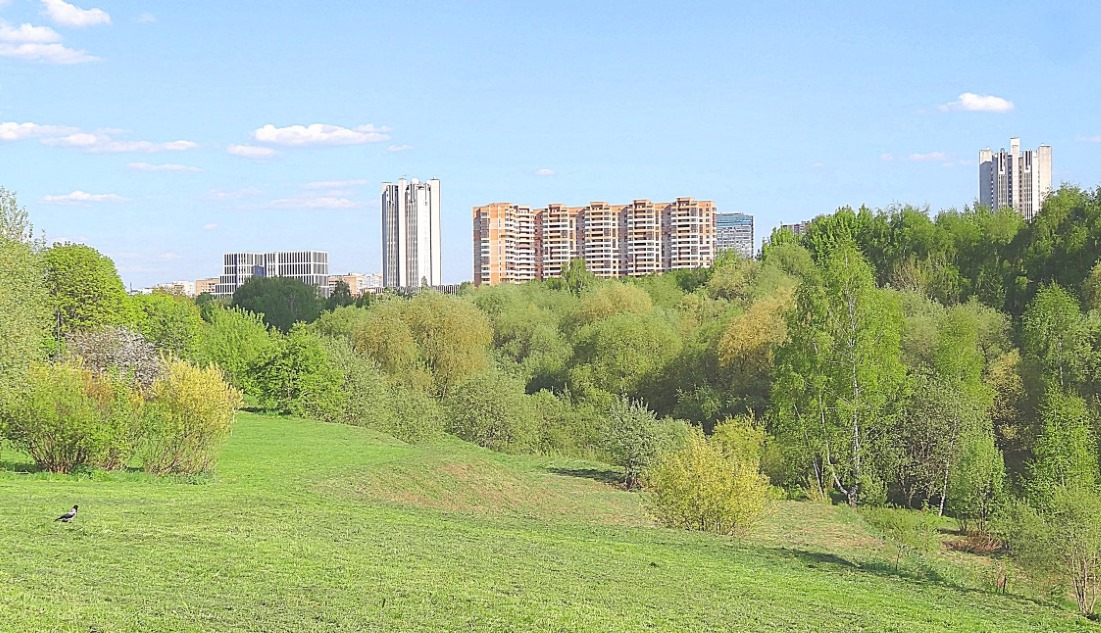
[{"x": 308, "y": 526}]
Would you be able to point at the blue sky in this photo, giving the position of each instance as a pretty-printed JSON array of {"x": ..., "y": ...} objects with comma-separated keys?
[{"x": 164, "y": 134}]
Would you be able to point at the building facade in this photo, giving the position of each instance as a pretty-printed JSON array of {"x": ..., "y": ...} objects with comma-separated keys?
[
  {"x": 309, "y": 267},
  {"x": 358, "y": 283},
  {"x": 734, "y": 232},
  {"x": 1020, "y": 180},
  {"x": 208, "y": 285},
  {"x": 514, "y": 244},
  {"x": 797, "y": 228},
  {"x": 411, "y": 233},
  {"x": 182, "y": 288}
]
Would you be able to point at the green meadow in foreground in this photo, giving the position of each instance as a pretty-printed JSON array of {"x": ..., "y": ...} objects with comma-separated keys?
[{"x": 310, "y": 526}]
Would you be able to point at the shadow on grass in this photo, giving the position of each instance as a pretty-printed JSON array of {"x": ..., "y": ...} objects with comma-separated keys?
[
  {"x": 924, "y": 574},
  {"x": 602, "y": 475}
]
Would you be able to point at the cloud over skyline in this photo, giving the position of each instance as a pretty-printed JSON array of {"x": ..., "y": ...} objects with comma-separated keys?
[
  {"x": 971, "y": 102},
  {"x": 320, "y": 134}
]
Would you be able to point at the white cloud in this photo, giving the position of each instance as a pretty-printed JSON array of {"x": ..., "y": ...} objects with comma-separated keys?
[
  {"x": 12, "y": 131},
  {"x": 972, "y": 102},
  {"x": 251, "y": 151},
  {"x": 210, "y": 227},
  {"x": 886, "y": 156},
  {"x": 45, "y": 53},
  {"x": 146, "y": 18},
  {"x": 336, "y": 184},
  {"x": 314, "y": 202},
  {"x": 71, "y": 15},
  {"x": 102, "y": 142},
  {"x": 544, "y": 172},
  {"x": 80, "y": 197},
  {"x": 233, "y": 194},
  {"x": 320, "y": 134},
  {"x": 929, "y": 156},
  {"x": 1080, "y": 139},
  {"x": 399, "y": 148},
  {"x": 28, "y": 33},
  {"x": 170, "y": 256},
  {"x": 161, "y": 167}
]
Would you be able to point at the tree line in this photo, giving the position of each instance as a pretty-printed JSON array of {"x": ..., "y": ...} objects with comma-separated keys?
[{"x": 949, "y": 362}]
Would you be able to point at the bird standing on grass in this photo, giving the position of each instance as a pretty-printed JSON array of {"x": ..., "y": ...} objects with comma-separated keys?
[{"x": 68, "y": 516}]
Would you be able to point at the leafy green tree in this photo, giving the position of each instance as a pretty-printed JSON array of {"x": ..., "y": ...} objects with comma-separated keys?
[
  {"x": 239, "y": 343},
  {"x": 341, "y": 296},
  {"x": 1056, "y": 337},
  {"x": 85, "y": 290},
  {"x": 574, "y": 278},
  {"x": 622, "y": 354},
  {"x": 385, "y": 337},
  {"x": 840, "y": 373},
  {"x": 1065, "y": 454},
  {"x": 170, "y": 322},
  {"x": 23, "y": 300},
  {"x": 977, "y": 487},
  {"x": 1060, "y": 537},
  {"x": 298, "y": 378},
  {"x": 283, "y": 301},
  {"x": 453, "y": 337}
]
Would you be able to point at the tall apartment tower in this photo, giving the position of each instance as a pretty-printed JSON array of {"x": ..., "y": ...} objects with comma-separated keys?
[
  {"x": 411, "y": 233},
  {"x": 734, "y": 232},
  {"x": 514, "y": 244},
  {"x": 1015, "y": 179}
]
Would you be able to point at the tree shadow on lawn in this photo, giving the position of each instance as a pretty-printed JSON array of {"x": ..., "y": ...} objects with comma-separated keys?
[
  {"x": 884, "y": 569},
  {"x": 602, "y": 475}
]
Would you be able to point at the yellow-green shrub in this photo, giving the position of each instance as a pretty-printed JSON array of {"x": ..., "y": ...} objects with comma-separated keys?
[
  {"x": 703, "y": 487},
  {"x": 190, "y": 414},
  {"x": 67, "y": 417}
]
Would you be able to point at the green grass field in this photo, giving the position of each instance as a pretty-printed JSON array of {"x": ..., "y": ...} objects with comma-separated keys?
[{"x": 315, "y": 527}]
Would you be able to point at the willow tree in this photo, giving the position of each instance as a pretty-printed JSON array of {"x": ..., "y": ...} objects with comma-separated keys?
[{"x": 840, "y": 373}]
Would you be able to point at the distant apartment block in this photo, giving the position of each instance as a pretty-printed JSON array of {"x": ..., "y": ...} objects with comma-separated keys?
[
  {"x": 514, "y": 244},
  {"x": 798, "y": 228},
  {"x": 358, "y": 283},
  {"x": 183, "y": 288},
  {"x": 734, "y": 232},
  {"x": 309, "y": 267},
  {"x": 205, "y": 285},
  {"x": 1018, "y": 180},
  {"x": 411, "y": 233}
]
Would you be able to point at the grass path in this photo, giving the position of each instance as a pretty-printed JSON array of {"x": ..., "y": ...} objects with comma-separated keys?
[{"x": 314, "y": 527}]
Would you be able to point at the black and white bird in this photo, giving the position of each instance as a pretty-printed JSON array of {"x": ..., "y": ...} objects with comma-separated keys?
[{"x": 68, "y": 516}]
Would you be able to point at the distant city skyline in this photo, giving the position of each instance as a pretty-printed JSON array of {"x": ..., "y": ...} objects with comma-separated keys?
[
  {"x": 167, "y": 134},
  {"x": 411, "y": 239},
  {"x": 1020, "y": 180}
]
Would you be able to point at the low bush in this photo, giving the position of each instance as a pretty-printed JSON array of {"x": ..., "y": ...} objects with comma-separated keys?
[
  {"x": 492, "y": 410},
  {"x": 69, "y": 416},
  {"x": 710, "y": 485},
  {"x": 635, "y": 437},
  {"x": 907, "y": 531},
  {"x": 190, "y": 414}
]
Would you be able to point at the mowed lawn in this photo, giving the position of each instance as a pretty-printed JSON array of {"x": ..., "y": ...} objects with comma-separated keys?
[{"x": 313, "y": 527}]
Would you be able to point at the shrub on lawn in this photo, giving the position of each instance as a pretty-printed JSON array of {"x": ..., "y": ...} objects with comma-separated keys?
[
  {"x": 190, "y": 414},
  {"x": 710, "y": 485},
  {"x": 491, "y": 410},
  {"x": 907, "y": 531},
  {"x": 68, "y": 417},
  {"x": 635, "y": 437}
]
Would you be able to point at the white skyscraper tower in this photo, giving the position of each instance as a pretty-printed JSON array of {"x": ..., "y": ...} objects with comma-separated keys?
[
  {"x": 1015, "y": 179},
  {"x": 411, "y": 233}
]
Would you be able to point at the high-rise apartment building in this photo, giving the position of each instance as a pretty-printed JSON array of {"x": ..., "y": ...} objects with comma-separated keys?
[
  {"x": 797, "y": 228},
  {"x": 734, "y": 232},
  {"x": 411, "y": 233},
  {"x": 1015, "y": 179},
  {"x": 208, "y": 285},
  {"x": 309, "y": 267},
  {"x": 514, "y": 244}
]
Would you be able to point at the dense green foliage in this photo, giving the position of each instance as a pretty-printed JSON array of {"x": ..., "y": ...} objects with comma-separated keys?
[
  {"x": 23, "y": 299},
  {"x": 85, "y": 289},
  {"x": 281, "y": 301}
]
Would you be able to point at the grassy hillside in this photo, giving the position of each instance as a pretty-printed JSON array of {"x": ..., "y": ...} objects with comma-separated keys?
[{"x": 308, "y": 526}]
